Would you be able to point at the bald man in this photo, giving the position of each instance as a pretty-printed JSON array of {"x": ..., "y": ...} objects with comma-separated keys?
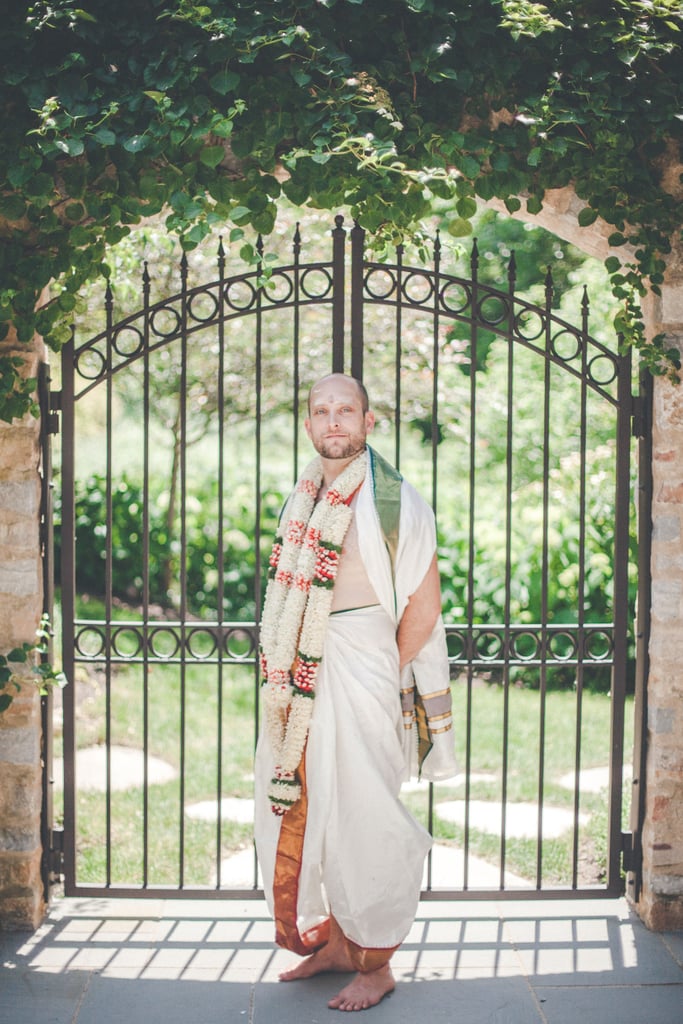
[{"x": 354, "y": 661}]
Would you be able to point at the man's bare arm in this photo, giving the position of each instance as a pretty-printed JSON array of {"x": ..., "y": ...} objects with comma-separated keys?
[{"x": 419, "y": 617}]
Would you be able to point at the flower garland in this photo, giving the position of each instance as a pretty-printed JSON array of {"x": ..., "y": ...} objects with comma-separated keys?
[{"x": 301, "y": 575}]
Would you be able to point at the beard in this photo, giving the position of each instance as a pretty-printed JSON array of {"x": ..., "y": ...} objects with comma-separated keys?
[{"x": 338, "y": 448}]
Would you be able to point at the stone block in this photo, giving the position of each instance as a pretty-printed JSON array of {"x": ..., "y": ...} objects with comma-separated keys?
[
  {"x": 666, "y": 528},
  {"x": 22, "y": 913},
  {"x": 672, "y": 302},
  {"x": 666, "y": 599},
  {"x": 21, "y": 839},
  {"x": 660, "y": 720},
  {"x": 667, "y": 856},
  {"x": 17, "y": 534},
  {"x": 20, "y": 746},
  {"x": 24, "y": 711},
  {"x": 19, "y": 872},
  {"x": 23, "y": 618},
  {"x": 20, "y": 794},
  {"x": 18, "y": 450},
  {"x": 20, "y": 496},
  {"x": 21, "y": 578}
]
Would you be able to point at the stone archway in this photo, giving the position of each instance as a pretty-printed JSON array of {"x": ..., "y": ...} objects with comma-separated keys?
[{"x": 660, "y": 902}]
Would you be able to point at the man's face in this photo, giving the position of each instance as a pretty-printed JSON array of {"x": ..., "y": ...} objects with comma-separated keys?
[{"x": 336, "y": 424}]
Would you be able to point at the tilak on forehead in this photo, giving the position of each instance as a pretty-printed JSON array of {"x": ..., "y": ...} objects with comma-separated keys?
[{"x": 338, "y": 385}]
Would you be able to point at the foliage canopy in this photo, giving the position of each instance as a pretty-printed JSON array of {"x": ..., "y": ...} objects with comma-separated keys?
[{"x": 209, "y": 111}]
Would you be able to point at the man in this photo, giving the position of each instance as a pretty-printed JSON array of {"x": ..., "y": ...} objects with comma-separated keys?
[{"x": 351, "y": 627}]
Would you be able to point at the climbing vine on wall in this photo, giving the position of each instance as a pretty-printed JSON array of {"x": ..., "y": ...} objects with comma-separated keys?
[{"x": 207, "y": 113}]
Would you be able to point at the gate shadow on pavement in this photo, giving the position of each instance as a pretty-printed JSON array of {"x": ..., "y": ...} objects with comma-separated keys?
[{"x": 211, "y": 962}]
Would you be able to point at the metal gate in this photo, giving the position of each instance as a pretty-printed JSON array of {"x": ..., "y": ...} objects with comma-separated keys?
[{"x": 500, "y": 475}]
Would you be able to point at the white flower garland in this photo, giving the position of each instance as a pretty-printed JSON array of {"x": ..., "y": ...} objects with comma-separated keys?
[{"x": 303, "y": 568}]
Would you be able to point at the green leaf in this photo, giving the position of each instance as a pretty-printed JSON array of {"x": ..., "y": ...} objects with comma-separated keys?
[
  {"x": 12, "y": 207},
  {"x": 74, "y": 211},
  {"x": 513, "y": 204},
  {"x": 468, "y": 166},
  {"x": 459, "y": 227},
  {"x": 534, "y": 204},
  {"x": 211, "y": 156},
  {"x": 535, "y": 156},
  {"x": 616, "y": 238},
  {"x": 136, "y": 143},
  {"x": 587, "y": 216},
  {"x": 72, "y": 147},
  {"x": 224, "y": 82},
  {"x": 466, "y": 207}
]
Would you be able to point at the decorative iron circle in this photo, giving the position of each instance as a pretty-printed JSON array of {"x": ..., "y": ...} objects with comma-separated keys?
[
  {"x": 417, "y": 288},
  {"x": 164, "y": 321},
  {"x": 309, "y": 281},
  {"x": 195, "y": 310},
  {"x": 602, "y": 359},
  {"x": 566, "y": 345},
  {"x": 529, "y": 324},
  {"x": 201, "y": 643},
  {"x": 126, "y": 642},
  {"x": 488, "y": 645},
  {"x": 455, "y": 297},
  {"x": 526, "y": 645},
  {"x": 493, "y": 310},
  {"x": 240, "y": 295},
  {"x": 89, "y": 642},
  {"x": 280, "y": 288},
  {"x": 126, "y": 348},
  {"x": 455, "y": 644},
  {"x": 164, "y": 642},
  {"x": 239, "y": 644},
  {"x": 562, "y": 646},
  {"x": 598, "y": 644},
  {"x": 97, "y": 358},
  {"x": 380, "y": 283}
]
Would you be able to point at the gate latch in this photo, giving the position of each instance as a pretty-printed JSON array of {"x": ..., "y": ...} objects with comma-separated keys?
[
  {"x": 638, "y": 424},
  {"x": 56, "y": 858},
  {"x": 55, "y": 409}
]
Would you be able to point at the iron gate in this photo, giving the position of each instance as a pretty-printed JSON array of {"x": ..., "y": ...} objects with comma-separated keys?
[{"x": 418, "y": 338}]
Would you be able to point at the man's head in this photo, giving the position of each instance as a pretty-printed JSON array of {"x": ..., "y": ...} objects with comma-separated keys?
[{"x": 339, "y": 417}]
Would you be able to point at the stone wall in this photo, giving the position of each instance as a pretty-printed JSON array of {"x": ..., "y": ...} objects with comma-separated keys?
[
  {"x": 21, "y": 603},
  {"x": 661, "y": 902}
]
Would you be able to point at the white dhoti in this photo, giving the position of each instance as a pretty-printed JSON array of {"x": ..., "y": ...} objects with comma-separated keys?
[{"x": 363, "y": 853}]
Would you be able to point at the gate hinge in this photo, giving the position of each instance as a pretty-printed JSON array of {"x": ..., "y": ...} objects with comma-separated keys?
[
  {"x": 56, "y": 858},
  {"x": 55, "y": 409},
  {"x": 628, "y": 858},
  {"x": 638, "y": 417}
]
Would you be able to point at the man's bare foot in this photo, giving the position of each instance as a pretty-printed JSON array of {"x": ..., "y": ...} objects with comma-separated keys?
[
  {"x": 324, "y": 959},
  {"x": 366, "y": 990},
  {"x": 334, "y": 956}
]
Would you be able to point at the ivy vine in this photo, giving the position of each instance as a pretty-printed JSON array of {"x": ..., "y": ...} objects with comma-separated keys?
[
  {"x": 210, "y": 112},
  {"x": 42, "y": 673}
]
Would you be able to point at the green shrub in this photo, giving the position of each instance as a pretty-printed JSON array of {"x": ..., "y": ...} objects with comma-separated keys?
[{"x": 202, "y": 583}]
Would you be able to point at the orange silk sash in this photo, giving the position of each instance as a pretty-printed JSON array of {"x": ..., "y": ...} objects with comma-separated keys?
[
  {"x": 286, "y": 881},
  {"x": 286, "y": 890}
]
